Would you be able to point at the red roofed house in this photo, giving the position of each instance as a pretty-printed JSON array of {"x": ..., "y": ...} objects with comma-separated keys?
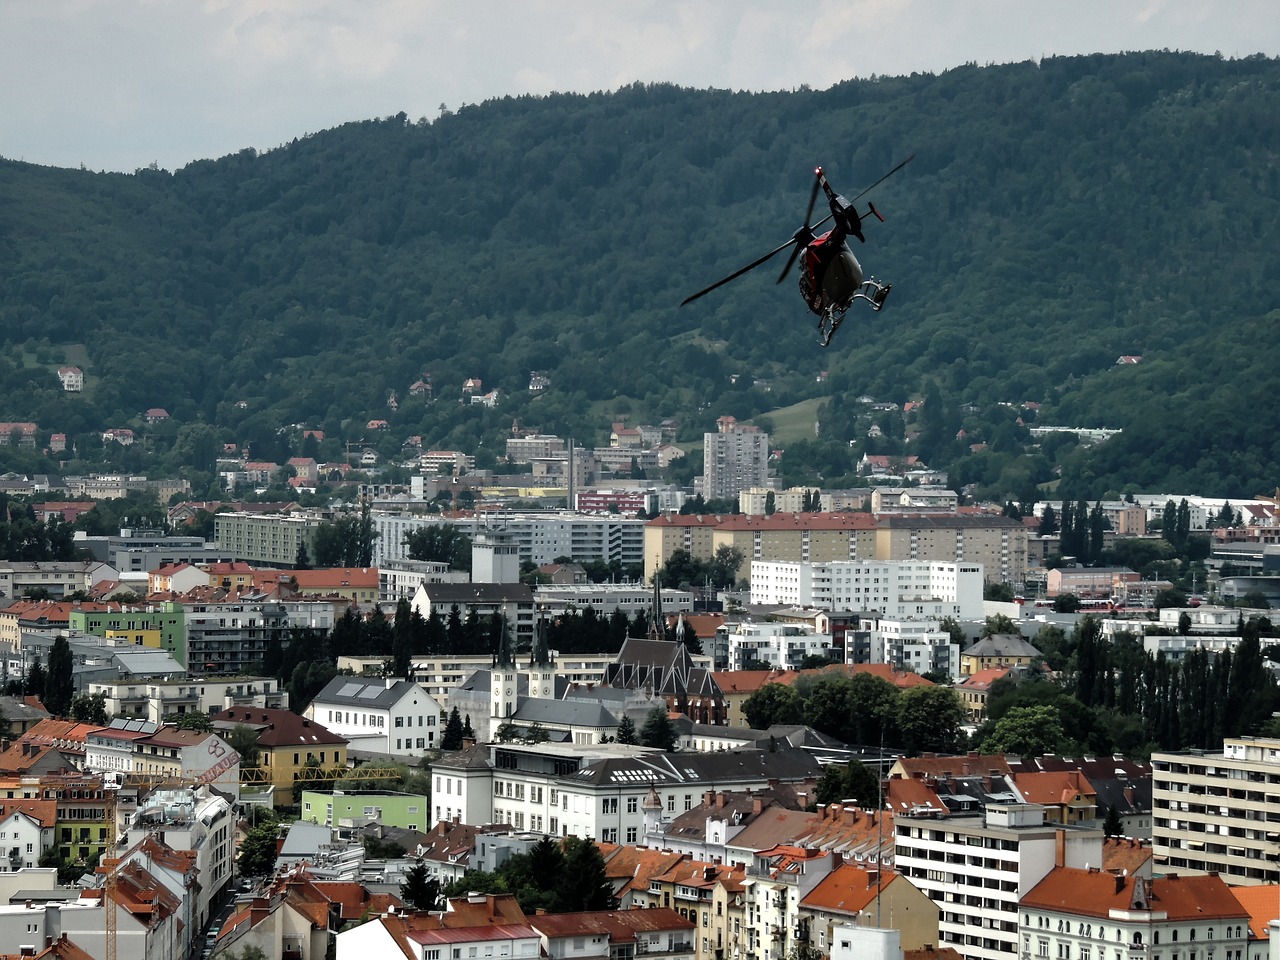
[
  {"x": 619, "y": 933},
  {"x": 851, "y": 894},
  {"x": 156, "y": 415},
  {"x": 1072, "y": 911},
  {"x": 974, "y": 688},
  {"x": 176, "y": 578},
  {"x": 1066, "y": 795},
  {"x": 358, "y": 584}
]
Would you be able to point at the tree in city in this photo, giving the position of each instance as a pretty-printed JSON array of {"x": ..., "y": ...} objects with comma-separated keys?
[
  {"x": 34, "y": 683},
  {"x": 243, "y": 739},
  {"x": 930, "y": 719},
  {"x": 419, "y": 889},
  {"x": 773, "y": 703},
  {"x": 440, "y": 543},
  {"x": 451, "y": 739},
  {"x": 258, "y": 850},
  {"x": 1112, "y": 825},
  {"x": 627, "y": 731},
  {"x": 402, "y": 639},
  {"x": 90, "y": 708},
  {"x": 193, "y": 720},
  {"x": 852, "y": 781},
  {"x": 659, "y": 731},
  {"x": 60, "y": 685},
  {"x": 1028, "y": 732},
  {"x": 584, "y": 883}
]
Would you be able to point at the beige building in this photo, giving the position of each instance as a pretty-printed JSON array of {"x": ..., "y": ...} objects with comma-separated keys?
[
  {"x": 1217, "y": 811},
  {"x": 997, "y": 543}
]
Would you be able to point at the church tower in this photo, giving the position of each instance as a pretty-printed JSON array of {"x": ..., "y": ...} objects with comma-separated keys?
[
  {"x": 503, "y": 674},
  {"x": 657, "y": 622},
  {"x": 542, "y": 666}
]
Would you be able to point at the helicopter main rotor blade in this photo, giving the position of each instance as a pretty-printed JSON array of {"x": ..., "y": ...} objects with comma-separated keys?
[
  {"x": 737, "y": 273},
  {"x": 883, "y": 179},
  {"x": 806, "y": 232}
]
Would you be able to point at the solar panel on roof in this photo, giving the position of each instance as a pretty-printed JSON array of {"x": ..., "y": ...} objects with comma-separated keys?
[
  {"x": 349, "y": 690},
  {"x": 368, "y": 693}
]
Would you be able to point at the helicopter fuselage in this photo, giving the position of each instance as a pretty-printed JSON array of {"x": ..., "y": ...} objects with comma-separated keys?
[{"x": 830, "y": 274}]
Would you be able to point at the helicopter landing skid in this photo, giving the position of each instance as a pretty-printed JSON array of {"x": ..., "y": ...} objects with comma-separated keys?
[
  {"x": 874, "y": 292},
  {"x": 829, "y": 322}
]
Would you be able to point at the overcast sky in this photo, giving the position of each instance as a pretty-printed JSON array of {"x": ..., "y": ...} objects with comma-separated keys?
[{"x": 119, "y": 84}]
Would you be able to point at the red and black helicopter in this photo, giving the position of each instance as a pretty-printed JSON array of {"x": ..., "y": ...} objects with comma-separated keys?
[{"x": 831, "y": 278}]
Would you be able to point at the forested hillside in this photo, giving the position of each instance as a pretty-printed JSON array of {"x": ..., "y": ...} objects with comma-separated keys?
[{"x": 1057, "y": 215}]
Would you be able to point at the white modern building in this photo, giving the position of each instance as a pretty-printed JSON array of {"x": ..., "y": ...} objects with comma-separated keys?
[
  {"x": 401, "y": 578},
  {"x": 390, "y": 716},
  {"x": 909, "y": 588},
  {"x": 782, "y": 646},
  {"x": 977, "y": 868},
  {"x": 920, "y": 646}
]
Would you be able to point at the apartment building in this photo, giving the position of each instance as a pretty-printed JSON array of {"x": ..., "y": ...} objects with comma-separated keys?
[
  {"x": 914, "y": 588},
  {"x": 539, "y": 537},
  {"x": 265, "y": 539},
  {"x": 977, "y": 869},
  {"x": 735, "y": 458},
  {"x": 1218, "y": 811},
  {"x": 162, "y": 700}
]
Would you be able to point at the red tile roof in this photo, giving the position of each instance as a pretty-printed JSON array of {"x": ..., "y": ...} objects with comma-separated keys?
[
  {"x": 848, "y": 889},
  {"x": 1093, "y": 893}
]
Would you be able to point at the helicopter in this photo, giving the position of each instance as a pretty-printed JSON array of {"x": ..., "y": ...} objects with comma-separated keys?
[{"x": 831, "y": 278}]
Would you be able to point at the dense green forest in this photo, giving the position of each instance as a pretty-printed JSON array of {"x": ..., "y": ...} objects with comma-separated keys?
[{"x": 1058, "y": 215}]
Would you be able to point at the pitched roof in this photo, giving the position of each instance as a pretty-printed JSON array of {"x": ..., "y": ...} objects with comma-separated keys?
[
  {"x": 983, "y": 679},
  {"x": 276, "y": 727},
  {"x": 1002, "y": 645},
  {"x": 848, "y": 888},
  {"x": 374, "y": 694},
  {"x": 1260, "y": 902},
  {"x": 620, "y": 926},
  {"x": 1131, "y": 855},
  {"x": 932, "y": 765},
  {"x": 1094, "y": 893},
  {"x": 629, "y": 868},
  {"x": 1054, "y": 788}
]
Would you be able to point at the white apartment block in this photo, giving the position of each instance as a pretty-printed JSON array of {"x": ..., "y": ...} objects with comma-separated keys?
[
  {"x": 540, "y": 537},
  {"x": 400, "y": 579},
  {"x": 916, "y": 645},
  {"x": 909, "y": 588},
  {"x": 1218, "y": 811},
  {"x": 977, "y": 868},
  {"x": 161, "y": 701},
  {"x": 783, "y": 646}
]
